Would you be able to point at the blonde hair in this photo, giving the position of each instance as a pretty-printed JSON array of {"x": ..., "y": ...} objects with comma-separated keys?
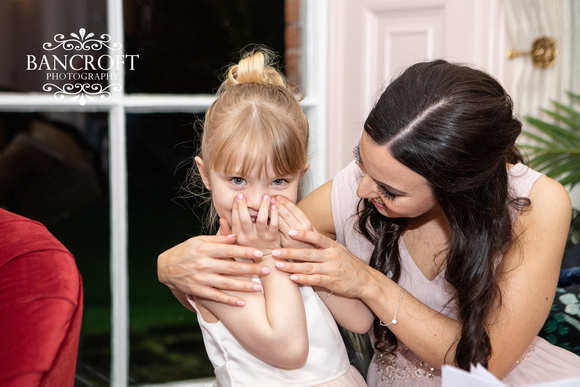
[
  {"x": 255, "y": 118},
  {"x": 255, "y": 111}
]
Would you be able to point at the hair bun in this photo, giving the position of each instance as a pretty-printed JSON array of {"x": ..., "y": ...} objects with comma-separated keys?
[{"x": 257, "y": 67}]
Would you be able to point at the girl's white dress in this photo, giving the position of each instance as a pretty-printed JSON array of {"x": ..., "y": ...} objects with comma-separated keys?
[
  {"x": 541, "y": 362},
  {"x": 327, "y": 364}
]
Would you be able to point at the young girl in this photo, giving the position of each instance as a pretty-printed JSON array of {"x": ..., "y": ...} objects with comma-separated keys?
[{"x": 254, "y": 148}]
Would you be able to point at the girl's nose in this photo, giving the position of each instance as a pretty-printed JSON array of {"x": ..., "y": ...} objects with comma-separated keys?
[{"x": 254, "y": 199}]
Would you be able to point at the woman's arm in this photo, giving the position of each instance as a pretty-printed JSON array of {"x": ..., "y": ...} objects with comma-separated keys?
[
  {"x": 528, "y": 278},
  {"x": 529, "y": 273},
  {"x": 318, "y": 209},
  {"x": 202, "y": 267},
  {"x": 315, "y": 211},
  {"x": 272, "y": 325}
]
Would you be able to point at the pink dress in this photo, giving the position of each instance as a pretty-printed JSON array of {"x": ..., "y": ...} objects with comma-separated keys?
[{"x": 541, "y": 362}]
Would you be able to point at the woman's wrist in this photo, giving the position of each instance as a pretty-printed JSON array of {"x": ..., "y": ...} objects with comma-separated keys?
[{"x": 377, "y": 288}]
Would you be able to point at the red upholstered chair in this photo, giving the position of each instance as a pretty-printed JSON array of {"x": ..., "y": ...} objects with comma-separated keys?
[{"x": 40, "y": 306}]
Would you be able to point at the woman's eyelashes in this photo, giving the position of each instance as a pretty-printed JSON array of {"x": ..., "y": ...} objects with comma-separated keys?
[
  {"x": 382, "y": 189},
  {"x": 386, "y": 193}
]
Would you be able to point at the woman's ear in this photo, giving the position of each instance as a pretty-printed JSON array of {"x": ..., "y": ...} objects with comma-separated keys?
[{"x": 202, "y": 172}]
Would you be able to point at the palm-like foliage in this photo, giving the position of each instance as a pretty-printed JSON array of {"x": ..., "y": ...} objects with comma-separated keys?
[{"x": 556, "y": 151}]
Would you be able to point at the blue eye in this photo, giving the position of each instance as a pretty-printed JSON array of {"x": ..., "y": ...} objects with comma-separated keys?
[{"x": 237, "y": 180}]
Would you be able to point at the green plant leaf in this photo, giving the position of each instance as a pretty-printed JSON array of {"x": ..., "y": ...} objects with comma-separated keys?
[
  {"x": 556, "y": 151},
  {"x": 571, "y": 122},
  {"x": 572, "y": 113},
  {"x": 556, "y": 133},
  {"x": 573, "y": 95},
  {"x": 536, "y": 138}
]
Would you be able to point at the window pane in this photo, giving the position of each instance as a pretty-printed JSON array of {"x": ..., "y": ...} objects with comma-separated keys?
[
  {"x": 182, "y": 44},
  {"x": 165, "y": 343},
  {"x": 53, "y": 169},
  {"x": 26, "y": 25}
]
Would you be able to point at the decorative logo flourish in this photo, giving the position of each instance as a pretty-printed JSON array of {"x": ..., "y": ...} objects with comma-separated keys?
[
  {"x": 82, "y": 42},
  {"x": 84, "y": 63},
  {"x": 82, "y": 91}
]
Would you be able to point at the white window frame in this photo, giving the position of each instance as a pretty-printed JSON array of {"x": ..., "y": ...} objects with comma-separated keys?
[{"x": 314, "y": 70}]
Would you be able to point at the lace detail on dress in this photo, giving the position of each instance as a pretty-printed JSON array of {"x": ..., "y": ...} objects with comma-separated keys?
[
  {"x": 389, "y": 370},
  {"x": 527, "y": 353}
]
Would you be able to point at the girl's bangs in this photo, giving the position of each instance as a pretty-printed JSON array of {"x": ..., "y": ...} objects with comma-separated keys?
[{"x": 243, "y": 152}]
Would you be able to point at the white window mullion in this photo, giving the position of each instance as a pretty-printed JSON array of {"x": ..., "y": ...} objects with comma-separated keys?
[
  {"x": 119, "y": 219},
  {"x": 315, "y": 24},
  {"x": 118, "y": 265}
]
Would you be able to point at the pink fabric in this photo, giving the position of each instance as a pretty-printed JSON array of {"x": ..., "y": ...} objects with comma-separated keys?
[
  {"x": 40, "y": 306},
  {"x": 543, "y": 361}
]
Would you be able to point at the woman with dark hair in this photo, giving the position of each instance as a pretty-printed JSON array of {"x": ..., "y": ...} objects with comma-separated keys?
[{"x": 452, "y": 242}]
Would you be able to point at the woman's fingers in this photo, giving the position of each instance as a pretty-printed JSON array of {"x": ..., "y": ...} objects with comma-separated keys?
[
  {"x": 311, "y": 237},
  {"x": 218, "y": 247},
  {"x": 312, "y": 280},
  {"x": 218, "y": 294}
]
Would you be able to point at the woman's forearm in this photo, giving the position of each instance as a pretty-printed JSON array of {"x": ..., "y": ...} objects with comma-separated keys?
[{"x": 431, "y": 335}]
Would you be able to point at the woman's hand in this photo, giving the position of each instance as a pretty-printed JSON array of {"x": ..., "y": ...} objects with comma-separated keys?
[
  {"x": 201, "y": 267},
  {"x": 329, "y": 265}
]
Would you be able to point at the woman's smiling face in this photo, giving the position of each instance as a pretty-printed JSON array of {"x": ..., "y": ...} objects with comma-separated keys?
[{"x": 395, "y": 190}]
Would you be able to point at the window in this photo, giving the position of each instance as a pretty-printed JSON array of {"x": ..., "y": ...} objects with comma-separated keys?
[{"x": 128, "y": 152}]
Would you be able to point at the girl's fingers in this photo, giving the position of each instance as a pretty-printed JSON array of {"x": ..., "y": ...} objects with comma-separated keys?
[
  {"x": 287, "y": 221},
  {"x": 291, "y": 211},
  {"x": 236, "y": 223},
  {"x": 274, "y": 218},
  {"x": 243, "y": 213},
  {"x": 263, "y": 214},
  {"x": 225, "y": 228},
  {"x": 287, "y": 216}
]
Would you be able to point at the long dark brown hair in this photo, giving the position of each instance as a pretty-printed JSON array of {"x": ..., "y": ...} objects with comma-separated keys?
[{"x": 455, "y": 126}]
